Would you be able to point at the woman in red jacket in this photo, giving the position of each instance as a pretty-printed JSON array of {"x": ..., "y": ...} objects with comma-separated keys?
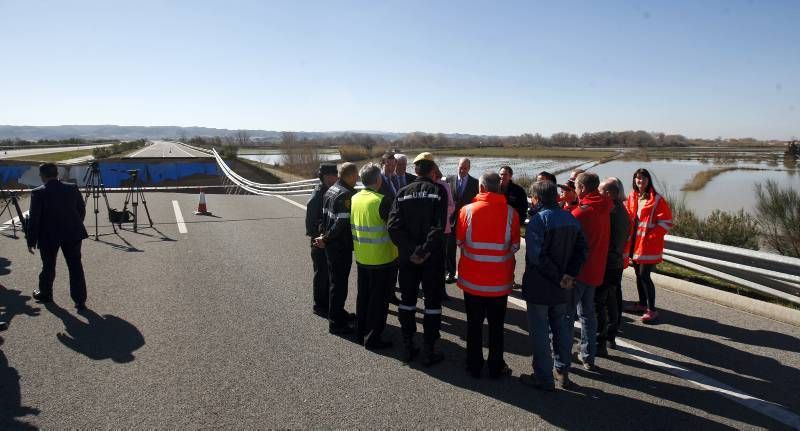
[{"x": 652, "y": 219}]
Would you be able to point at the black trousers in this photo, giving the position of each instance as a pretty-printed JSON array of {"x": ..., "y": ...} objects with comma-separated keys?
[
  {"x": 492, "y": 309},
  {"x": 430, "y": 275},
  {"x": 320, "y": 283},
  {"x": 72, "y": 254},
  {"x": 645, "y": 286},
  {"x": 450, "y": 253},
  {"x": 375, "y": 285},
  {"x": 339, "y": 263},
  {"x": 606, "y": 305}
]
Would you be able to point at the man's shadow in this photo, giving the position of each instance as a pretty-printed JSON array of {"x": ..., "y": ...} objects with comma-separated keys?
[
  {"x": 14, "y": 303},
  {"x": 4, "y": 264},
  {"x": 103, "y": 337},
  {"x": 11, "y": 406}
]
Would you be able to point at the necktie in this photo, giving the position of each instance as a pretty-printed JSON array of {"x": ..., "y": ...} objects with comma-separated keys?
[{"x": 395, "y": 182}]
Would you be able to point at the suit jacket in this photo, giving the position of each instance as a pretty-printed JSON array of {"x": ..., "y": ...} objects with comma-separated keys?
[
  {"x": 470, "y": 191},
  {"x": 409, "y": 179},
  {"x": 56, "y": 215},
  {"x": 386, "y": 188}
]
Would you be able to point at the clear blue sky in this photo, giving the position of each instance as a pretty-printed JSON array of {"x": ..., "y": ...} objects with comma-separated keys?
[{"x": 701, "y": 68}]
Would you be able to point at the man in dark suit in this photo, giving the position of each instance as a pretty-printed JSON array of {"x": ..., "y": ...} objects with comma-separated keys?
[
  {"x": 404, "y": 178},
  {"x": 464, "y": 188},
  {"x": 56, "y": 221},
  {"x": 389, "y": 185}
]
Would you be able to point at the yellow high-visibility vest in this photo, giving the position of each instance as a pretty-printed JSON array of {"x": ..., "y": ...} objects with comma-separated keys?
[{"x": 371, "y": 240}]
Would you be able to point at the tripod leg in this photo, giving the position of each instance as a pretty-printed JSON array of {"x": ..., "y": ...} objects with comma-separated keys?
[{"x": 146, "y": 210}]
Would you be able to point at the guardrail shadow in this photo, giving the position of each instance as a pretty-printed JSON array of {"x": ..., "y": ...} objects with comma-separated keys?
[{"x": 102, "y": 337}]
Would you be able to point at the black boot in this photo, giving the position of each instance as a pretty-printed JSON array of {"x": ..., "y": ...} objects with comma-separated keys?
[
  {"x": 409, "y": 350},
  {"x": 432, "y": 357}
]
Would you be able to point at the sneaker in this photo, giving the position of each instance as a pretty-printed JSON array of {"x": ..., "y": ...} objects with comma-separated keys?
[
  {"x": 649, "y": 316},
  {"x": 532, "y": 381},
  {"x": 450, "y": 279},
  {"x": 589, "y": 366},
  {"x": 562, "y": 377},
  {"x": 41, "y": 297}
]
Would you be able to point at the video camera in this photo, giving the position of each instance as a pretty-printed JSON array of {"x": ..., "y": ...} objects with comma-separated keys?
[{"x": 119, "y": 217}]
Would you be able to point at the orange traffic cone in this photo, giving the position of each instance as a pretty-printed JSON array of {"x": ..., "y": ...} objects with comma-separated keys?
[{"x": 201, "y": 206}]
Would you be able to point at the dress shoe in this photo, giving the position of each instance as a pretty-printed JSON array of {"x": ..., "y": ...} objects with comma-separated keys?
[
  {"x": 532, "y": 381},
  {"x": 602, "y": 350},
  {"x": 81, "y": 306},
  {"x": 474, "y": 372},
  {"x": 39, "y": 296},
  {"x": 562, "y": 377},
  {"x": 503, "y": 372},
  {"x": 432, "y": 357},
  {"x": 410, "y": 351},
  {"x": 612, "y": 344},
  {"x": 378, "y": 345},
  {"x": 340, "y": 329},
  {"x": 321, "y": 312},
  {"x": 450, "y": 279}
]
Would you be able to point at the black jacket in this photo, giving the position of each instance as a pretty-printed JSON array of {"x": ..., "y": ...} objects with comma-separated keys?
[
  {"x": 470, "y": 191},
  {"x": 417, "y": 220},
  {"x": 555, "y": 246},
  {"x": 518, "y": 199},
  {"x": 620, "y": 227},
  {"x": 56, "y": 215},
  {"x": 314, "y": 211},
  {"x": 387, "y": 188},
  {"x": 336, "y": 217}
]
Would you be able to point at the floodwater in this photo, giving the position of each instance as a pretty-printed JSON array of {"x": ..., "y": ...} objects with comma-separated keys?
[{"x": 277, "y": 157}]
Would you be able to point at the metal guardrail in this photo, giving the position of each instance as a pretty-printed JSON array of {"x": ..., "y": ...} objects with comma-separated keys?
[{"x": 770, "y": 274}]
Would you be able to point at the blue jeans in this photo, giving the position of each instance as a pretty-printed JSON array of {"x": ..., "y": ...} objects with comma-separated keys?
[
  {"x": 556, "y": 318},
  {"x": 583, "y": 301}
]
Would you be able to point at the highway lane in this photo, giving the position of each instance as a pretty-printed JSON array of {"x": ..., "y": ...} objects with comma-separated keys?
[
  {"x": 6, "y": 154},
  {"x": 166, "y": 149},
  {"x": 213, "y": 328}
]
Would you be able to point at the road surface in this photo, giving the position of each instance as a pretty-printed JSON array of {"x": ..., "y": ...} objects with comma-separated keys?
[
  {"x": 7, "y": 154},
  {"x": 207, "y": 323},
  {"x": 166, "y": 149}
]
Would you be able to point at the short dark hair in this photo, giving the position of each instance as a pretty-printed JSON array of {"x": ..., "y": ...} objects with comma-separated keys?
[
  {"x": 386, "y": 157},
  {"x": 508, "y": 168},
  {"x": 545, "y": 192},
  {"x": 548, "y": 176},
  {"x": 425, "y": 167},
  {"x": 589, "y": 180},
  {"x": 48, "y": 170},
  {"x": 348, "y": 168}
]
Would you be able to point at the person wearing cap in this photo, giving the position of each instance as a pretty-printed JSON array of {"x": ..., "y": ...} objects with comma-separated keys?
[
  {"x": 327, "y": 177},
  {"x": 337, "y": 240},
  {"x": 403, "y": 178},
  {"x": 416, "y": 226},
  {"x": 464, "y": 188}
]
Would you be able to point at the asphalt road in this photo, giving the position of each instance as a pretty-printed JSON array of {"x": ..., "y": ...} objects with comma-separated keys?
[
  {"x": 166, "y": 149},
  {"x": 6, "y": 154},
  {"x": 213, "y": 328}
]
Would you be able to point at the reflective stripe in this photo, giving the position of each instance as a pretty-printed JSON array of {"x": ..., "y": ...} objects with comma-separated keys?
[
  {"x": 489, "y": 245},
  {"x": 418, "y": 195},
  {"x": 407, "y": 307},
  {"x": 486, "y": 258},
  {"x": 655, "y": 207},
  {"x": 647, "y": 257},
  {"x": 665, "y": 225},
  {"x": 481, "y": 288},
  {"x": 433, "y": 311},
  {"x": 369, "y": 228},
  {"x": 381, "y": 240},
  {"x": 645, "y": 224},
  {"x": 337, "y": 216}
]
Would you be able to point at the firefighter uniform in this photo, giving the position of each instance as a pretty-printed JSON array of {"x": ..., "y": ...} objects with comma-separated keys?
[
  {"x": 416, "y": 226},
  {"x": 376, "y": 258},
  {"x": 338, "y": 249}
]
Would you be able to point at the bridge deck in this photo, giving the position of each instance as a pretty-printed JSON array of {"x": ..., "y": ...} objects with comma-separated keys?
[{"x": 213, "y": 328}]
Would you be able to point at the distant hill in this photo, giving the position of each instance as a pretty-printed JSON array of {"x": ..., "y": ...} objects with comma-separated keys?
[{"x": 35, "y": 133}]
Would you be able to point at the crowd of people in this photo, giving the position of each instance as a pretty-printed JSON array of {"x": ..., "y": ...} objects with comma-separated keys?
[{"x": 420, "y": 232}]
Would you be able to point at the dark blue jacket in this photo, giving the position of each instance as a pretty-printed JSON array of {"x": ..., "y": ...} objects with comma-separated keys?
[
  {"x": 555, "y": 246},
  {"x": 56, "y": 215}
]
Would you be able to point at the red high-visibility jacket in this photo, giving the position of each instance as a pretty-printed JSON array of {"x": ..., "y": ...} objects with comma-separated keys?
[
  {"x": 594, "y": 214},
  {"x": 488, "y": 233},
  {"x": 646, "y": 243}
]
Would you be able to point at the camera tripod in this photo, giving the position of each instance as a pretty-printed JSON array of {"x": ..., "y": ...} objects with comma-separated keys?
[
  {"x": 133, "y": 195},
  {"x": 7, "y": 202},
  {"x": 95, "y": 188}
]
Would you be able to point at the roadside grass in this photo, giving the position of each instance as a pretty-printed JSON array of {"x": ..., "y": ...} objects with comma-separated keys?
[
  {"x": 53, "y": 157},
  {"x": 549, "y": 153},
  {"x": 676, "y": 271}
]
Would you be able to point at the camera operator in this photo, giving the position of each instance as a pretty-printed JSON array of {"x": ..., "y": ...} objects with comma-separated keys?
[{"x": 56, "y": 221}]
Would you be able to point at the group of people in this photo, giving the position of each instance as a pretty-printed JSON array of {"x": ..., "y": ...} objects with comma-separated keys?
[{"x": 406, "y": 230}]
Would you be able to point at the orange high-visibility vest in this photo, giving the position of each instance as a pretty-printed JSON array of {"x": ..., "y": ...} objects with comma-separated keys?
[
  {"x": 488, "y": 234},
  {"x": 646, "y": 243}
]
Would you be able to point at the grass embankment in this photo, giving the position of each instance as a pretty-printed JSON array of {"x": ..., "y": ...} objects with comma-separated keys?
[
  {"x": 53, "y": 157},
  {"x": 702, "y": 178},
  {"x": 693, "y": 276},
  {"x": 550, "y": 153}
]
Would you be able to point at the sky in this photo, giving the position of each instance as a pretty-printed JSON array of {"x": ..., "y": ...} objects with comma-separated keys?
[{"x": 703, "y": 69}]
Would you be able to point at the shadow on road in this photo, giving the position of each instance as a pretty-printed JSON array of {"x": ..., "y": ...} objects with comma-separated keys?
[
  {"x": 4, "y": 264},
  {"x": 102, "y": 337},
  {"x": 11, "y": 407},
  {"x": 14, "y": 303}
]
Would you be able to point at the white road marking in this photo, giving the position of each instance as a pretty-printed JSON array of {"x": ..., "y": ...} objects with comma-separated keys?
[
  {"x": 146, "y": 147},
  {"x": 773, "y": 410},
  {"x": 15, "y": 220},
  {"x": 180, "y": 147},
  {"x": 299, "y": 205},
  {"x": 179, "y": 218}
]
